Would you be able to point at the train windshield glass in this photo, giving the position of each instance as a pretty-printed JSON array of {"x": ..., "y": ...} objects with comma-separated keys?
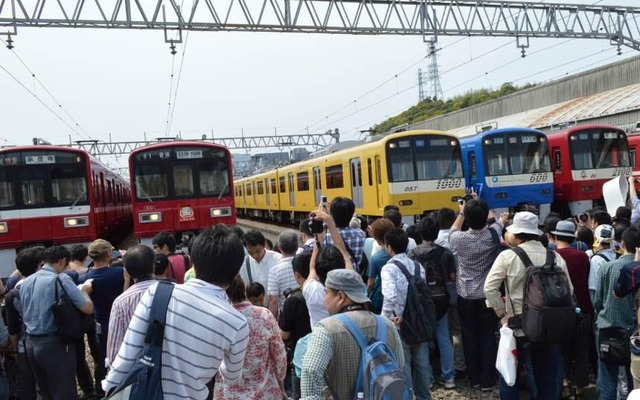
[
  {"x": 214, "y": 177},
  {"x": 427, "y": 157},
  {"x": 6, "y": 190},
  {"x": 599, "y": 149},
  {"x": 69, "y": 185},
  {"x": 151, "y": 182},
  {"x": 495, "y": 152},
  {"x": 528, "y": 154}
]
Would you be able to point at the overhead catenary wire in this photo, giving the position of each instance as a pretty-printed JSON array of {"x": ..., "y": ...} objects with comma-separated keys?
[{"x": 175, "y": 92}]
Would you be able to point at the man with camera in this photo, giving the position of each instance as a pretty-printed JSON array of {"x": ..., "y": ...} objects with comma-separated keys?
[{"x": 342, "y": 210}]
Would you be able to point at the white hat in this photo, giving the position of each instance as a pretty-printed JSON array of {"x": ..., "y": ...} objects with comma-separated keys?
[
  {"x": 525, "y": 222},
  {"x": 604, "y": 233},
  {"x": 634, "y": 395}
]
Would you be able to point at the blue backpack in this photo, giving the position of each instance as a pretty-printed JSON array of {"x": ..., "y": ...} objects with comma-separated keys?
[
  {"x": 144, "y": 380},
  {"x": 379, "y": 376}
]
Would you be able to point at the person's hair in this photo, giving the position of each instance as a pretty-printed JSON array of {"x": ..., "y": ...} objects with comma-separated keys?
[
  {"x": 394, "y": 216},
  {"x": 254, "y": 290},
  {"x": 397, "y": 239},
  {"x": 79, "y": 252},
  {"x": 380, "y": 227},
  {"x": 329, "y": 258},
  {"x": 140, "y": 261},
  {"x": 565, "y": 239},
  {"x": 601, "y": 218},
  {"x": 217, "y": 255},
  {"x": 446, "y": 218},
  {"x": 429, "y": 228},
  {"x": 623, "y": 213},
  {"x": 390, "y": 207},
  {"x": 236, "y": 290},
  {"x": 585, "y": 235},
  {"x": 301, "y": 264},
  {"x": 414, "y": 233},
  {"x": 631, "y": 239},
  {"x": 28, "y": 260},
  {"x": 342, "y": 210},
  {"x": 238, "y": 231},
  {"x": 161, "y": 264},
  {"x": 254, "y": 238},
  {"x": 364, "y": 224},
  {"x": 544, "y": 240},
  {"x": 190, "y": 244},
  {"x": 53, "y": 254},
  {"x": 476, "y": 212},
  {"x": 288, "y": 241},
  {"x": 525, "y": 237},
  {"x": 619, "y": 228},
  {"x": 268, "y": 244},
  {"x": 550, "y": 223},
  {"x": 165, "y": 238},
  {"x": 305, "y": 228}
]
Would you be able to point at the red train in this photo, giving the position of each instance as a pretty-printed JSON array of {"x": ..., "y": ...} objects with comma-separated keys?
[
  {"x": 57, "y": 195},
  {"x": 583, "y": 158},
  {"x": 180, "y": 187}
]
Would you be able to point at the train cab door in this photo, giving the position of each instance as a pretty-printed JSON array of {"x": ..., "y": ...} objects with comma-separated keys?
[
  {"x": 268, "y": 191},
  {"x": 356, "y": 182},
  {"x": 378, "y": 175},
  {"x": 317, "y": 184},
  {"x": 292, "y": 193}
]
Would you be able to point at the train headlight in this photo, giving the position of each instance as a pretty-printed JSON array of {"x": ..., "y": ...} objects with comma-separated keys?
[
  {"x": 220, "y": 212},
  {"x": 3, "y": 227},
  {"x": 76, "y": 222},
  {"x": 146, "y": 218}
]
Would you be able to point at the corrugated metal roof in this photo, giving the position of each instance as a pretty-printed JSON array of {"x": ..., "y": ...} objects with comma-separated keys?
[{"x": 611, "y": 102}]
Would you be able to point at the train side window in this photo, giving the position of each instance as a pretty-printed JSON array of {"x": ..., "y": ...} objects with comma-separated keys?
[
  {"x": 248, "y": 189},
  {"x": 283, "y": 186},
  {"x": 370, "y": 171},
  {"x": 472, "y": 165},
  {"x": 378, "y": 170},
  {"x": 303, "y": 181},
  {"x": 274, "y": 187},
  {"x": 260, "y": 188},
  {"x": 183, "y": 180},
  {"x": 335, "y": 177},
  {"x": 32, "y": 188},
  {"x": 632, "y": 158},
  {"x": 6, "y": 190},
  {"x": 151, "y": 181}
]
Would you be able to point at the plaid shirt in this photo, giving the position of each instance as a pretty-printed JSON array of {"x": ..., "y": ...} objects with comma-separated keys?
[
  {"x": 613, "y": 312},
  {"x": 353, "y": 238},
  {"x": 476, "y": 250}
]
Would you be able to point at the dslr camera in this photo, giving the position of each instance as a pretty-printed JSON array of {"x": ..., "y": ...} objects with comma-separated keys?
[
  {"x": 583, "y": 217},
  {"x": 465, "y": 199},
  {"x": 315, "y": 226}
]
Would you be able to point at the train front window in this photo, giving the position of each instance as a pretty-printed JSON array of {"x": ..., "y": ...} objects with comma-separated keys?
[
  {"x": 495, "y": 153},
  {"x": 151, "y": 182},
  {"x": 6, "y": 190},
  {"x": 214, "y": 178},
  {"x": 33, "y": 193},
  {"x": 611, "y": 149},
  {"x": 422, "y": 158},
  {"x": 68, "y": 185},
  {"x": 528, "y": 154},
  {"x": 183, "y": 180},
  {"x": 401, "y": 160}
]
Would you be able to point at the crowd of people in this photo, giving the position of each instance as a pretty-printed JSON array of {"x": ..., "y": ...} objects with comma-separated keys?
[{"x": 252, "y": 320}]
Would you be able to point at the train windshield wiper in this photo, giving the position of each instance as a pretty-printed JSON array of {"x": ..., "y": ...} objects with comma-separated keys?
[
  {"x": 222, "y": 190},
  {"x": 144, "y": 194},
  {"x": 80, "y": 196}
]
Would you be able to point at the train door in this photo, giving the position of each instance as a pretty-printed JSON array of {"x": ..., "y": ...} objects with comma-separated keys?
[
  {"x": 292, "y": 193},
  {"x": 317, "y": 184},
  {"x": 378, "y": 172},
  {"x": 255, "y": 194},
  {"x": 373, "y": 188},
  {"x": 356, "y": 181},
  {"x": 268, "y": 189}
]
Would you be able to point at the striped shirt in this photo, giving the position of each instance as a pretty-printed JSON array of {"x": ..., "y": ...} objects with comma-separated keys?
[
  {"x": 281, "y": 278},
  {"x": 121, "y": 313},
  {"x": 203, "y": 333}
]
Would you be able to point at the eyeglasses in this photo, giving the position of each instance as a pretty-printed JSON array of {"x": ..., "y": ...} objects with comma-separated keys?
[{"x": 155, "y": 247}]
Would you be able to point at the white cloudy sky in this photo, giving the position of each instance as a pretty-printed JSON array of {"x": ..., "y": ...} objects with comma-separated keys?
[{"x": 117, "y": 82}]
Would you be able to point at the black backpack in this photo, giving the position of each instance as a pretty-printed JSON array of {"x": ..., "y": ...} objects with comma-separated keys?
[
  {"x": 418, "y": 323},
  {"x": 549, "y": 308},
  {"x": 437, "y": 284}
]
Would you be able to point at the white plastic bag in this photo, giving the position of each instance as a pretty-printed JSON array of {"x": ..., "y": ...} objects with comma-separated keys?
[{"x": 507, "y": 360}]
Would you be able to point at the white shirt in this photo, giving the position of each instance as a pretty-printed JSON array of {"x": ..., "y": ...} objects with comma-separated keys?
[
  {"x": 260, "y": 270},
  {"x": 410, "y": 246},
  {"x": 443, "y": 238},
  {"x": 596, "y": 263},
  {"x": 282, "y": 278},
  {"x": 203, "y": 334},
  {"x": 313, "y": 293},
  {"x": 395, "y": 285}
]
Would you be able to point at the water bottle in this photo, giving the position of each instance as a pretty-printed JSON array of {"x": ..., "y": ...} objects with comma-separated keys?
[
  {"x": 360, "y": 395},
  {"x": 578, "y": 310}
]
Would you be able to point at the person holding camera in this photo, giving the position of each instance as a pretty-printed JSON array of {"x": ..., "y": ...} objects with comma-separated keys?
[{"x": 342, "y": 210}]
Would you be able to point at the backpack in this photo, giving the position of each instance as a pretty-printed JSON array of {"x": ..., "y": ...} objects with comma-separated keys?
[
  {"x": 435, "y": 280},
  {"x": 549, "y": 309},
  {"x": 379, "y": 376},
  {"x": 418, "y": 323},
  {"x": 376, "y": 296},
  {"x": 144, "y": 380}
]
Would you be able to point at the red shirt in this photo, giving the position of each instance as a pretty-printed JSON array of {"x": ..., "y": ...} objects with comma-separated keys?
[{"x": 578, "y": 267}]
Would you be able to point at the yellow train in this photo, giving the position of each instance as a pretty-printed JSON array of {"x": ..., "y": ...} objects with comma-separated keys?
[{"x": 419, "y": 171}]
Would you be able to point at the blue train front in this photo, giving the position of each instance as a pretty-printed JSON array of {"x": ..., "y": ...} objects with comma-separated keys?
[{"x": 510, "y": 169}]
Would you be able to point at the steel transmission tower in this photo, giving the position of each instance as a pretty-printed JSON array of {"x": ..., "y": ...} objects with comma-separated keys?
[
  {"x": 421, "y": 84},
  {"x": 433, "y": 73}
]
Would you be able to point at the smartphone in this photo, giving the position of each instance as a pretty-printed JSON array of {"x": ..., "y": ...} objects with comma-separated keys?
[
  {"x": 461, "y": 201},
  {"x": 323, "y": 199}
]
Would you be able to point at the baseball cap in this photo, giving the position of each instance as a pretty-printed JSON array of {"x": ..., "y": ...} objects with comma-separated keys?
[
  {"x": 604, "y": 233},
  {"x": 100, "y": 247},
  {"x": 349, "y": 282}
]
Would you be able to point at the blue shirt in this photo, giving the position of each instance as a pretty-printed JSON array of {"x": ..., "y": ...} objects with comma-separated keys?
[
  {"x": 37, "y": 295},
  {"x": 107, "y": 284},
  {"x": 378, "y": 260}
]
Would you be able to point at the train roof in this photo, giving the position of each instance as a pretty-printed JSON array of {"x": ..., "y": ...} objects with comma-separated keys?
[
  {"x": 578, "y": 128},
  {"x": 176, "y": 143},
  {"x": 499, "y": 131}
]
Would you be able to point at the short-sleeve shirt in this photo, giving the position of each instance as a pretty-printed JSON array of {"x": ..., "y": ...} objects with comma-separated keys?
[
  {"x": 313, "y": 292},
  {"x": 107, "y": 284},
  {"x": 281, "y": 278},
  {"x": 378, "y": 260},
  {"x": 294, "y": 318}
]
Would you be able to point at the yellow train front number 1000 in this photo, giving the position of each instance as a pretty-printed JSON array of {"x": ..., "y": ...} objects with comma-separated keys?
[{"x": 449, "y": 184}]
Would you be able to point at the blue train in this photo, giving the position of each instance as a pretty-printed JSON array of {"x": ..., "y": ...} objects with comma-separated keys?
[{"x": 510, "y": 169}]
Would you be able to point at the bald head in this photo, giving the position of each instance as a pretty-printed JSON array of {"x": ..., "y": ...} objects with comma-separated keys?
[{"x": 139, "y": 261}]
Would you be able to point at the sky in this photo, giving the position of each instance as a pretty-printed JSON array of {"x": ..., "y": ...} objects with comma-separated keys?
[{"x": 117, "y": 84}]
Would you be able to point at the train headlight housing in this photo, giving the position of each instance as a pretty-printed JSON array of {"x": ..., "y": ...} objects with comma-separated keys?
[
  {"x": 150, "y": 217},
  {"x": 220, "y": 212},
  {"x": 76, "y": 222},
  {"x": 3, "y": 227}
]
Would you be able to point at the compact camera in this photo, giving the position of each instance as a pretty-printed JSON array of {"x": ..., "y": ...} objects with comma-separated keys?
[{"x": 582, "y": 217}]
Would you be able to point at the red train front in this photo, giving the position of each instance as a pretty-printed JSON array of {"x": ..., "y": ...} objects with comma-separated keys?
[
  {"x": 583, "y": 159},
  {"x": 57, "y": 195},
  {"x": 180, "y": 187}
]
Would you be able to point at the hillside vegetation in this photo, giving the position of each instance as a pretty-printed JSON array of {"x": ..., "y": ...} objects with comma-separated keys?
[{"x": 429, "y": 108}]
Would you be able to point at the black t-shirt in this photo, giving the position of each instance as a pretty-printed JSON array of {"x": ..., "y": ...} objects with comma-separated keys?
[
  {"x": 294, "y": 318},
  {"x": 107, "y": 285},
  {"x": 14, "y": 319}
]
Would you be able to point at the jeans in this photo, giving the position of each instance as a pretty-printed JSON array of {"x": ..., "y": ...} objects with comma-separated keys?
[
  {"x": 542, "y": 361},
  {"x": 446, "y": 349},
  {"x": 607, "y": 383},
  {"x": 456, "y": 337},
  {"x": 416, "y": 369},
  {"x": 479, "y": 325}
]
